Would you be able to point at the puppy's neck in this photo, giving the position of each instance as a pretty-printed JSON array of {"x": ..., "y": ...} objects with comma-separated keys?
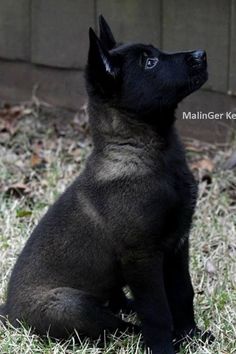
[
  {"x": 125, "y": 147},
  {"x": 112, "y": 127}
]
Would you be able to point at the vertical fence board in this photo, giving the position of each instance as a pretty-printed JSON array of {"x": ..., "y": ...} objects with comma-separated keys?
[
  {"x": 232, "y": 73},
  {"x": 133, "y": 20},
  {"x": 60, "y": 32},
  {"x": 14, "y": 29},
  {"x": 200, "y": 24}
]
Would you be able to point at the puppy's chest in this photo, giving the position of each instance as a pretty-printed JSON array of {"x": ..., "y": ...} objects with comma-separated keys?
[
  {"x": 164, "y": 209},
  {"x": 174, "y": 191}
]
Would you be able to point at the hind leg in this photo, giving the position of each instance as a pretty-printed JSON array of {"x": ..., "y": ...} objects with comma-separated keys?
[{"x": 62, "y": 310}]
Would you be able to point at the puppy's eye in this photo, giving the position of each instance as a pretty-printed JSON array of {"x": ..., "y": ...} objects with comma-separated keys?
[{"x": 151, "y": 63}]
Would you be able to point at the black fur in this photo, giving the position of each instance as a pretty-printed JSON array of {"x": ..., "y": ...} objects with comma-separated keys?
[{"x": 125, "y": 220}]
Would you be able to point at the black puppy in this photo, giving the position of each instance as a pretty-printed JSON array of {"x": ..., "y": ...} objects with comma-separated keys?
[{"x": 126, "y": 220}]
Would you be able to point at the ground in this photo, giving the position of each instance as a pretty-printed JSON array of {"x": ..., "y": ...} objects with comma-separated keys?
[{"x": 42, "y": 150}]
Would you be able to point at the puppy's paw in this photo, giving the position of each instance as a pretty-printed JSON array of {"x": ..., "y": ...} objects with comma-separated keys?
[
  {"x": 205, "y": 336},
  {"x": 164, "y": 349},
  {"x": 182, "y": 336},
  {"x": 134, "y": 329}
]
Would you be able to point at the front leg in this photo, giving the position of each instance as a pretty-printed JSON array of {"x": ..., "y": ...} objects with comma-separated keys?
[
  {"x": 179, "y": 290},
  {"x": 144, "y": 276},
  {"x": 180, "y": 295}
]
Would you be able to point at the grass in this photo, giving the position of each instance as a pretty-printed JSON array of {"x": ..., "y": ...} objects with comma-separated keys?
[{"x": 40, "y": 158}]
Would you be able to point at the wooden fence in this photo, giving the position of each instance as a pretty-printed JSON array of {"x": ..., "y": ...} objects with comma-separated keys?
[{"x": 45, "y": 42}]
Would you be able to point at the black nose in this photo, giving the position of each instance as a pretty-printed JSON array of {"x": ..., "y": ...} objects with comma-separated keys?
[
  {"x": 197, "y": 59},
  {"x": 199, "y": 55}
]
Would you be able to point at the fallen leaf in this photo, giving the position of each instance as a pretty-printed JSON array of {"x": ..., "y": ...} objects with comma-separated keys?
[
  {"x": 36, "y": 160},
  {"x": 205, "y": 248},
  {"x": 9, "y": 115},
  {"x": 204, "y": 164},
  {"x": 9, "y": 112},
  {"x": 8, "y": 126}
]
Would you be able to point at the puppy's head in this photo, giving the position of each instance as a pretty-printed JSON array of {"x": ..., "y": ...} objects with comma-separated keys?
[{"x": 141, "y": 79}]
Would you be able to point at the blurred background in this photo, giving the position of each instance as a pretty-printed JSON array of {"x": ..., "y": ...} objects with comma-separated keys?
[{"x": 44, "y": 43}]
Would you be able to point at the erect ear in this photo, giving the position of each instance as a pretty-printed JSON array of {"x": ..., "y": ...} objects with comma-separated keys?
[
  {"x": 99, "y": 60},
  {"x": 106, "y": 35}
]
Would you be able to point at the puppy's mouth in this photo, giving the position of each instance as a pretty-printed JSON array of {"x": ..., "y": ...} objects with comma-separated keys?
[{"x": 198, "y": 79}]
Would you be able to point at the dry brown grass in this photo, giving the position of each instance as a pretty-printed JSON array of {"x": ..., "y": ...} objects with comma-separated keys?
[{"x": 40, "y": 159}]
